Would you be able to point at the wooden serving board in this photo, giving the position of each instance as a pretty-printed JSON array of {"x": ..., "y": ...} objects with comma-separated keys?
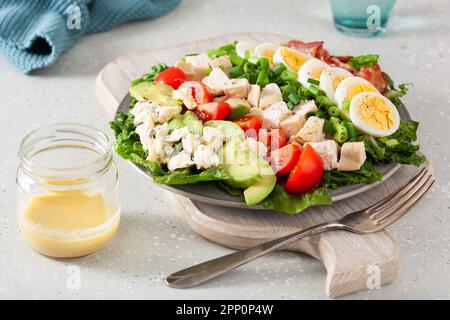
[{"x": 352, "y": 262}]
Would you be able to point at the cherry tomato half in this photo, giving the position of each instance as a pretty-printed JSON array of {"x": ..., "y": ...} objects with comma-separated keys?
[
  {"x": 199, "y": 92},
  {"x": 307, "y": 172},
  {"x": 172, "y": 76},
  {"x": 213, "y": 111},
  {"x": 273, "y": 139},
  {"x": 250, "y": 124},
  {"x": 284, "y": 159}
]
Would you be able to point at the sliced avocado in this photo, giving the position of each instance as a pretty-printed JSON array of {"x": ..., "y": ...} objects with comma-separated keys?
[
  {"x": 230, "y": 129},
  {"x": 190, "y": 120},
  {"x": 241, "y": 176},
  {"x": 262, "y": 187},
  {"x": 176, "y": 123},
  {"x": 154, "y": 92},
  {"x": 239, "y": 111}
]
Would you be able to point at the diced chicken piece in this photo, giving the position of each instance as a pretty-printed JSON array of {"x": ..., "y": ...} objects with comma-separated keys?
[
  {"x": 303, "y": 109},
  {"x": 292, "y": 125},
  {"x": 162, "y": 114},
  {"x": 185, "y": 95},
  {"x": 213, "y": 138},
  {"x": 144, "y": 131},
  {"x": 198, "y": 59},
  {"x": 215, "y": 81},
  {"x": 273, "y": 115},
  {"x": 254, "y": 94},
  {"x": 256, "y": 112},
  {"x": 180, "y": 160},
  {"x": 191, "y": 72},
  {"x": 191, "y": 142},
  {"x": 236, "y": 88},
  {"x": 353, "y": 155},
  {"x": 222, "y": 62},
  {"x": 234, "y": 102},
  {"x": 177, "y": 134},
  {"x": 312, "y": 131},
  {"x": 255, "y": 148},
  {"x": 328, "y": 151},
  {"x": 205, "y": 157},
  {"x": 161, "y": 131},
  {"x": 270, "y": 95}
]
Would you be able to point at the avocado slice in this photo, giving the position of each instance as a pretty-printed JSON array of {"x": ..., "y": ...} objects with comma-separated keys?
[
  {"x": 241, "y": 176},
  {"x": 154, "y": 92},
  {"x": 190, "y": 120},
  {"x": 230, "y": 129},
  {"x": 262, "y": 187},
  {"x": 175, "y": 123}
]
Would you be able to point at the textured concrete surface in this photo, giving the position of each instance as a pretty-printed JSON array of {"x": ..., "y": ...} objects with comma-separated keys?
[{"x": 153, "y": 241}]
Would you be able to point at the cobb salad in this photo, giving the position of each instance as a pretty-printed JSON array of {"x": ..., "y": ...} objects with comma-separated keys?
[{"x": 276, "y": 124}]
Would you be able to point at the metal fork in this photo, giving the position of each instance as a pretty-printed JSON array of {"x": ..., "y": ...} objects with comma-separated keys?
[{"x": 372, "y": 219}]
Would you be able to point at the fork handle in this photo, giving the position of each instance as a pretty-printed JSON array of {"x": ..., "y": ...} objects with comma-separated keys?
[{"x": 211, "y": 269}]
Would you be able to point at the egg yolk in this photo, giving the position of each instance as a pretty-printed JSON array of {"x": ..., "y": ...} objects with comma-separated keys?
[
  {"x": 358, "y": 88},
  {"x": 293, "y": 60},
  {"x": 376, "y": 113},
  {"x": 268, "y": 53},
  {"x": 315, "y": 74},
  {"x": 336, "y": 81}
]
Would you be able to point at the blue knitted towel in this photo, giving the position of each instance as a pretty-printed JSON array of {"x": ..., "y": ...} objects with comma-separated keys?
[{"x": 34, "y": 33}]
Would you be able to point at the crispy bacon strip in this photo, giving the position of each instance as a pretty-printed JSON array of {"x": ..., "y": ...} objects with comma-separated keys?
[{"x": 372, "y": 74}]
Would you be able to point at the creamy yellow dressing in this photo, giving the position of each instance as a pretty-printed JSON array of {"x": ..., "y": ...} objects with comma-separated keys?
[{"x": 69, "y": 223}]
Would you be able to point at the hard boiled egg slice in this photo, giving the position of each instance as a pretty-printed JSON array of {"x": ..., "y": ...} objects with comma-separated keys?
[
  {"x": 311, "y": 69},
  {"x": 266, "y": 50},
  {"x": 243, "y": 46},
  {"x": 330, "y": 78},
  {"x": 348, "y": 88},
  {"x": 374, "y": 114},
  {"x": 291, "y": 58}
]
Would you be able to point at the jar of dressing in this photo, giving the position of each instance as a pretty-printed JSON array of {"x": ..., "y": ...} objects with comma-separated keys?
[{"x": 67, "y": 190}]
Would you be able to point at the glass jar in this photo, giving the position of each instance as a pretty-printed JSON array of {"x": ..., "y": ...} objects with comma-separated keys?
[{"x": 67, "y": 181}]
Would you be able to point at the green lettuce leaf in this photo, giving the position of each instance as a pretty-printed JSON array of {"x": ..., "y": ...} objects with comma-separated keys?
[
  {"x": 397, "y": 147},
  {"x": 151, "y": 75},
  {"x": 190, "y": 176},
  {"x": 367, "y": 174},
  {"x": 367, "y": 60},
  {"x": 281, "y": 200}
]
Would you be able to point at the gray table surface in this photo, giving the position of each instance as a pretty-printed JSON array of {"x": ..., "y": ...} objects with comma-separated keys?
[{"x": 153, "y": 240}]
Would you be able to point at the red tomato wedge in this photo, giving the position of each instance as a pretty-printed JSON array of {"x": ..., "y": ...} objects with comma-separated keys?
[
  {"x": 199, "y": 92},
  {"x": 284, "y": 159},
  {"x": 250, "y": 124},
  {"x": 172, "y": 76},
  {"x": 213, "y": 111},
  {"x": 307, "y": 172},
  {"x": 273, "y": 139}
]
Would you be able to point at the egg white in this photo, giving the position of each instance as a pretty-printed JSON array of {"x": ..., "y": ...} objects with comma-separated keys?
[
  {"x": 327, "y": 78},
  {"x": 362, "y": 126},
  {"x": 261, "y": 48},
  {"x": 341, "y": 93},
  {"x": 279, "y": 58},
  {"x": 243, "y": 46},
  {"x": 306, "y": 70}
]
